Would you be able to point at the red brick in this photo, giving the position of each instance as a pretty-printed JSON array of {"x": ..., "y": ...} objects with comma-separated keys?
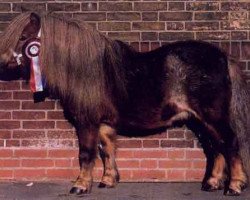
[
  {"x": 90, "y": 6},
  {"x": 62, "y": 173},
  {"x": 28, "y": 134},
  {"x": 115, "y": 6},
  {"x": 55, "y": 115},
  {"x": 5, "y": 163},
  {"x": 22, "y": 95},
  {"x": 215, "y": 35},
  {"x": 33, "y": 163},
  {"x": 195, "y": 154},
  {"x": 174, "y": 6},
  {"x": 61, "y": 134},
  {"x": 62, "y": 163},
  {"x": 30, "y": 105},
  {"x": 176, "y": 16},
  {"x": 123, "y": 16},
  {"x": 30, "y": 153},
  {"x": 177, "y": 143},
  {"x": 125, "y": 174},
  {"x": 150, "y": 143},
  {"x": 63, "y": 7},
  {"x": 5, "y": 115},
  {"x": 170, "y": 36},
  {"x": 201, "y": 26},
  {"x": 9, "y": 124},
  {"x": 38, "y": 124},
  {"x": 175, "y": 164},
  {"x": 129, "y": 143},
  {"x": 9, "y": 105},
  {"x": 175, "y": 175},
  {"x": 28, "y": 115},
  {"x": 128, "y": 163},
  {"x": 63, "y": 153},
  {"x": 29, "y": 6},
  {"x": 6, "y": 153},
  {"x": 150, "y": 6},
  {"x": 235, "y": 6},
  {"x": 148, "y": 26},
  {"x": 66, "y": 143},
  {"x": 5, "y": 134},
  {"x": 29, "y": 173},
  {"x": 176, "y": 133},
  {"x": 6, "y": 174},
  {"x": 5, "y": 95},
  {"x": 194, "y": 175},
  {"x": 176, "y": 154},
  {"x": 125, "y": 36},
  {"x": 98, "y": 16},
  {"x": 202, "y": 6},
  {"x": 124, "y": 153},
  {"x": 150, "y": 16},
  {"x": 199, "y": 164},
  {"x": 63, "y": 125},
  {"x": 13, "y": 143},
  {"x": 150, "y": 154},
  {"x": 149, "y": 36},
  {"x": 114, "y": 26},
  {"x": 149, "y": 164},
  {"x": 239, "y": 35},
  {"x": 31, "y": 143},
  {"x": 211, "y": 16},
  {"x": 5, "y": 7},
  {"x": 148, "y": 174}
]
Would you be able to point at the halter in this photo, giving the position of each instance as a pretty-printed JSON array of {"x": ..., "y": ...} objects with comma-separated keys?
[{"x": 31, "y": 50}]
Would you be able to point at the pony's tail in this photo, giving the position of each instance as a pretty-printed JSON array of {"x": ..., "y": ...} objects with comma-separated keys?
[{"x": 240, "y": 112}]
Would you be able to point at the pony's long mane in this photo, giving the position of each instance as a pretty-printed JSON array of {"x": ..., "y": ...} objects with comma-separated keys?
[
  {"x": 80, "y": 65},
  {"x": 77, "y": 62}
]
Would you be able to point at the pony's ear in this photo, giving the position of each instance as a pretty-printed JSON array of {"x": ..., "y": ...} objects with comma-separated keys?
[{"x": 35, "y": 19}]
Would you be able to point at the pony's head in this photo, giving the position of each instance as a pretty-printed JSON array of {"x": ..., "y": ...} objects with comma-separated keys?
[{"x": 17, "y": 44}]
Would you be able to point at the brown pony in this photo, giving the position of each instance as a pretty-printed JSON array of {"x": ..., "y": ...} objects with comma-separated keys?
[{"x": 105, "y": 87}]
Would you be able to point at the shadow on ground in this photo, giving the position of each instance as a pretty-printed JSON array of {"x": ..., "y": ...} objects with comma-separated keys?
[{"x": 124, "y": 191}]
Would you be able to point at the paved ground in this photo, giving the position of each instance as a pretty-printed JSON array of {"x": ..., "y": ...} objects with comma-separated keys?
[{"x": 124, "y": 191}]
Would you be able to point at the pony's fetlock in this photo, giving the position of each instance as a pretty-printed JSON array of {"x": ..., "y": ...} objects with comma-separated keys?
[
  {"x": 81, "y": 186},
  {"x": 109, "y": 180}
]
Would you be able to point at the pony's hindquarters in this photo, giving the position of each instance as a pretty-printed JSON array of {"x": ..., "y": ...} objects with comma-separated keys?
[{"x": 240, "y": 113}]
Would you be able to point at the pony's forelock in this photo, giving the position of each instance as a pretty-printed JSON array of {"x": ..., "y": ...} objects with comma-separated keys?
[{"x": 10, "y": 36}]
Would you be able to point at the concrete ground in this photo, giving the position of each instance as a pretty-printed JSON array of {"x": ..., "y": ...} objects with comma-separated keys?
[{"x": 124, "y": 191}]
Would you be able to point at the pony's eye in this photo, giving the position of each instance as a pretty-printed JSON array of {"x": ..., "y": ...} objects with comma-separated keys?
[{"x": 22, "y": 38}]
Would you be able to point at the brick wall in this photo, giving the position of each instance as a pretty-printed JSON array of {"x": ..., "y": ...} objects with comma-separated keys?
[{"x": 37, "y": 143}]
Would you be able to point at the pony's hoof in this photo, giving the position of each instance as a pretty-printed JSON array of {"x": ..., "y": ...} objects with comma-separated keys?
[
  {"x": 104, "y": 185},
  {"x": 78, "y": 191},
  {"x": 208, "y": 188},
  {"x": 231, "y": 192}
]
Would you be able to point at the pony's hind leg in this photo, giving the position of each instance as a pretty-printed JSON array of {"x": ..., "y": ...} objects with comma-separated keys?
[
  {"x": 87, "y": 139},
  {"x": 237, "y": 176},
  {"x": 107, "y": 136},
  {"x": 216, "y": 179},
  {"x": 208, "y": 137}
]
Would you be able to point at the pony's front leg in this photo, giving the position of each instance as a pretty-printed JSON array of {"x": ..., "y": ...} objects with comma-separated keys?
[
  {"x": 87, "y": 153},
  {"x": 107, "y": 136}
]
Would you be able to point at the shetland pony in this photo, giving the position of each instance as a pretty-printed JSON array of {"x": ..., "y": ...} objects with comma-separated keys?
[{"x": 105, "y": 86}]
